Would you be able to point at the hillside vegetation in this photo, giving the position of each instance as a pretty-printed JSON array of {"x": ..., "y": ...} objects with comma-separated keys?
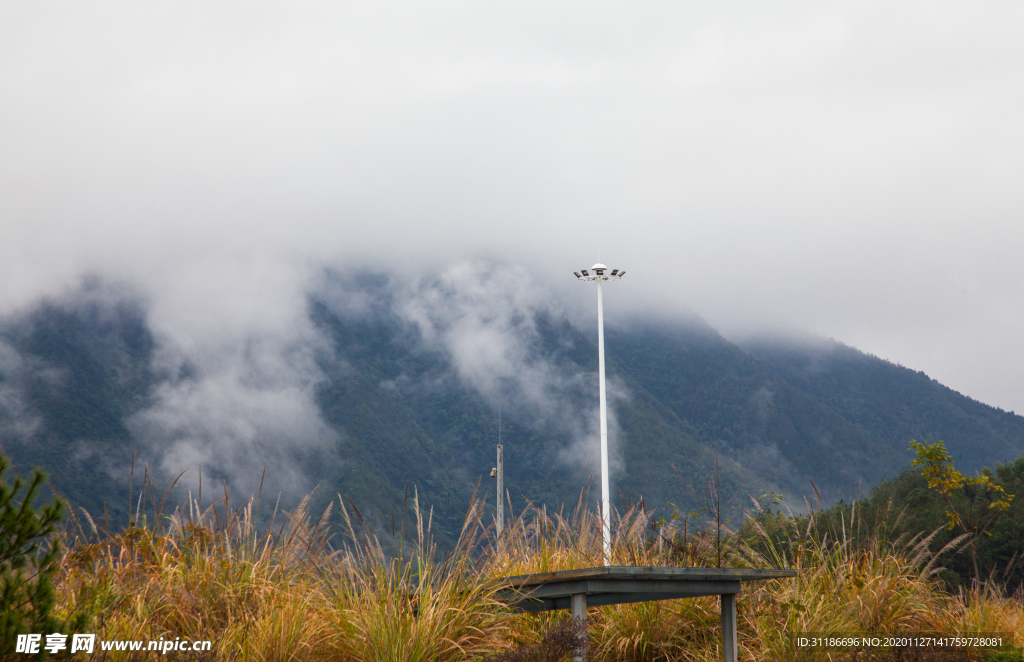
[{"x": 905, "y": 506}]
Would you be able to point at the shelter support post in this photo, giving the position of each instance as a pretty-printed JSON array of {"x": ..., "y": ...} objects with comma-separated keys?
[
  {"x": 579, "y": 626},
  {"x": 728, "y": 627}
]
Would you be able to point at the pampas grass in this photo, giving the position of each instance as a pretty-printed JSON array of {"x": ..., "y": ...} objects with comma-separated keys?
[{"x": 292, "y": 591}]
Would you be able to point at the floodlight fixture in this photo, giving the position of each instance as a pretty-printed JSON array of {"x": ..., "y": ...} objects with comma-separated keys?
[{"x": 599, "y": 277}]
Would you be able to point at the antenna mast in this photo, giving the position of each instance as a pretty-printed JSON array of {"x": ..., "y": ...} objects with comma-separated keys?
[{"x": 501, "y": 480}]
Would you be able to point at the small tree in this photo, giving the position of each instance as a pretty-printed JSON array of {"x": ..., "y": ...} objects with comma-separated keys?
[
  {"x": 28, "y": 561},
  {"x": 985, "y": 501}
]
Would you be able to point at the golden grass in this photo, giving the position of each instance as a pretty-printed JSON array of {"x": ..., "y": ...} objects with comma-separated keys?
[{"x": 291, "y": 595}]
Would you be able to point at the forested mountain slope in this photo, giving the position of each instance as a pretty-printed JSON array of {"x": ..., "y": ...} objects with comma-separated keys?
[
  {"x": 751, "y": 412},
  {"x": 400, "y": 391},
  {"x": 892, "y": 402},
  {"x": 71, "y": 375}
]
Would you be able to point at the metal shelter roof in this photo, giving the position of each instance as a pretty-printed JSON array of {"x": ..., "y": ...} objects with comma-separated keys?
[{"x": 611, "y": 585}]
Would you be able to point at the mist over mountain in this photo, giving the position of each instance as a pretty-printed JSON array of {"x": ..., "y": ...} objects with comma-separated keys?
[{"x": 384, "y": 383}]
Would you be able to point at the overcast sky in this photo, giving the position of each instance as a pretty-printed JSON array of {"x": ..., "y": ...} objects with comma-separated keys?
[{"x": 850, "y": 169}]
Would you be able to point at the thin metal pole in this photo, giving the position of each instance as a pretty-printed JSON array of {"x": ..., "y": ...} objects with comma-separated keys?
[
  {"x": 501, "y": 491},
  {"x": 606, "y": 528}
]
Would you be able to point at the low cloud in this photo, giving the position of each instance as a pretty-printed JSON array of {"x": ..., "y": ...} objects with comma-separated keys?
[
  {"x": 18, "y": 422},
  {"x": 485, "y": 319},
  {"x": 236, "y": 404},
  {"x": 838, "y": 168},
  {"x": 503, "y": 336}
]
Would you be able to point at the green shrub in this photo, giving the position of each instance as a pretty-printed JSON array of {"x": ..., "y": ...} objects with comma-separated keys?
[{"x": 29, "y": 558}]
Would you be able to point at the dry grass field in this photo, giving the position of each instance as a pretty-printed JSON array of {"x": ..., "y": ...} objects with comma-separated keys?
[{"x": 294, "y": 593}]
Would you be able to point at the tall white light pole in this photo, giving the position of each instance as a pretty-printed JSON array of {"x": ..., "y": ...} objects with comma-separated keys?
[{"x": 601, "y": 274}]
